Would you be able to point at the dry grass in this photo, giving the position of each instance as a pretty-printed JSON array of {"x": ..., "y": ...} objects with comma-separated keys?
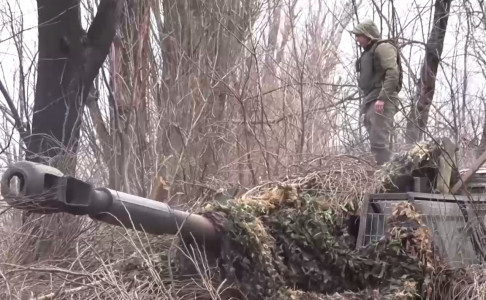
[
  {"x": 339, "y": 180},
  {"x": 97, "y": 262}
]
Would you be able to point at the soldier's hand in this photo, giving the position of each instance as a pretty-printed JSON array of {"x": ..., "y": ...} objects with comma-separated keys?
[{"x": 380, "y": 106}]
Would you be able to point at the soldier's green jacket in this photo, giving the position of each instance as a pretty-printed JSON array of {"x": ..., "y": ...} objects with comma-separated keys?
[{"x": 379, "y": 78}]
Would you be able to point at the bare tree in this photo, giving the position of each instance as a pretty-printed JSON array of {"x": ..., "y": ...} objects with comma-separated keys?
[
  {"x": 69, "y": 59},
  {"x": 122, "y": 136},
  {"x": 419, "y": 113},
  {"x": 68, "y": 62}
]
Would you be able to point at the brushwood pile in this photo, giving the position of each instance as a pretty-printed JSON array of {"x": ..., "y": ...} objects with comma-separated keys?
[{"x": 292, "y": 239}]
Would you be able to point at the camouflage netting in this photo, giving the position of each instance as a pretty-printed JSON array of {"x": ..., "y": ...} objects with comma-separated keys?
[
  {"x": 292, "y": 246},
  {"x": 398, "y": 173},
  {"x": 286, "y": 241}
]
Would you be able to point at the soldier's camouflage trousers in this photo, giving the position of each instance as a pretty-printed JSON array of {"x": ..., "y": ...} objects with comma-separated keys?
[{"x": 379, "y": 127}]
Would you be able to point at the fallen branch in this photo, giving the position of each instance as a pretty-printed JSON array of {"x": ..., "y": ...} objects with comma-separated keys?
[
  {"x": 67, "y": 292},
  {"x": 46, "y": 269}
]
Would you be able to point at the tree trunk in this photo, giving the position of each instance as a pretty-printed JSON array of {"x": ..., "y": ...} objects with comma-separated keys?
[
  {"x": 419, "y": 114},
  {"x": 129, "y": 86},
  {"x": 203, "y": 41},
  {"x": 482, "y": 144},
  {"x": 69, "y": 60}
]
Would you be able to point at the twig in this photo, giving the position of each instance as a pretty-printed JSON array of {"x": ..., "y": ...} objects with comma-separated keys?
[
  {"x": 46, "y": 269},
  {"x": 6, "y": 283},
  {"x": 464, "y": 178},
  {"x": 13, "y": 110},
  {"x": 8, "y": 143},
  {"x": 67, "y": 292}
]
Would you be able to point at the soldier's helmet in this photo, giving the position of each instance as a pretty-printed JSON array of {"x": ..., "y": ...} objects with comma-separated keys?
[{"x": 367, "y": 28}]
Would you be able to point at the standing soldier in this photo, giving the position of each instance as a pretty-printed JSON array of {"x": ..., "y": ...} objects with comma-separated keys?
[{"x": 380, "y": 79}]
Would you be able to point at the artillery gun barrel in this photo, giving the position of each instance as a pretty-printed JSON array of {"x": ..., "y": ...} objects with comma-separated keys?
[{"x": 44, "y": 189}]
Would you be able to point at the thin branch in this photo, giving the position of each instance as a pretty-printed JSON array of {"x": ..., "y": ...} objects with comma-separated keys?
[
  {"x": 8, "y": 143},
  {"x": 18, "y": 121},
  {"x": 20, "y": 268},
  {"x": 72, "y": 291}
]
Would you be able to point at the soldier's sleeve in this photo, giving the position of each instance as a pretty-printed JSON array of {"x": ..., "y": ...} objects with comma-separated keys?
[{"x": 387, "y": 56}]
